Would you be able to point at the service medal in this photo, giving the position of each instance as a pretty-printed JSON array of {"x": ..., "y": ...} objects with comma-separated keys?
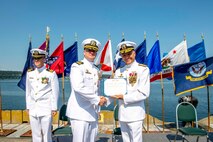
[
  {"x": 44, "y": 80},
  {"x": 132, "y": 78}
]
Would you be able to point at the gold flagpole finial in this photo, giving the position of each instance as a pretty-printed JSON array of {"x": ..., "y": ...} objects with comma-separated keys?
[
  {"x": 62, "y": 37},
  {"x": 157, "y": 36},
  {"x": 202, "y": 36},
  {"x": 184, "y": 36},
  {"x": 122, "y": 35},
  {"x": 109, "y": 36},
  {"x": 47, "y": 34},
  {"x": 144, "y": 34},
  {"x": 30, "y": 38},
  {"x": 48, "y": 29},
  {"x": 76, "y": 37}
]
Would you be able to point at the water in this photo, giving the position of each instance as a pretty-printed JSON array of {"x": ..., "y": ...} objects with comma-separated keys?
[{"x": 14, "y": 98}]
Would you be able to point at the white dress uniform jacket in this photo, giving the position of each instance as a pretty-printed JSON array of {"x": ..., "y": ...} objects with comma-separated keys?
[
  {"x": 42, "y": 91},
  {"x": 84, "y": 98},
  {"x": 132, "y": 108}
]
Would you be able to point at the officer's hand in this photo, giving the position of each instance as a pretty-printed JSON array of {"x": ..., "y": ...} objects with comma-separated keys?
[
  {"x": 54, "y": 112},
  {"x": 120, "y": 96},
  {"x": 103, "y": 100}
]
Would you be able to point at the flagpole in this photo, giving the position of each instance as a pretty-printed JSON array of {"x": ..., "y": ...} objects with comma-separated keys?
[
  {"x": 63, "y": 92},
  {"x": 208, "y": 98},
  {"x": 202, "y": 36},
  {"x": 47, "y": 39},
  {"x": 123, "y": 35},
  {"x": 112, "y": 76},
  {"x": 147, "y": 101},
  {"x": 76, "y": 36},
  {"x": 1, "y": 130},
  {"x": 162, "y": 93},
  {"x": 184, "y": 36}
]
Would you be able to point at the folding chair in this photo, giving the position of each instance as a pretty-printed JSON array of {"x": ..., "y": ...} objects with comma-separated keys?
[
  {"x": 186, "y": 112},
  {"x": 64, "y": 129},
  {"x": 116, "y": 134}
]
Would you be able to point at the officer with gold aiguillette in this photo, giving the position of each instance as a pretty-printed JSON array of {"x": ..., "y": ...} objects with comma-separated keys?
[{"x": 131, "y": 105}]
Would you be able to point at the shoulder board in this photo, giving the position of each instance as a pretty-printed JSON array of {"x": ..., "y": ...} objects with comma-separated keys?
[
  {"x": 143, "y": 65},
  {"x": 30, "y": 69},
  {"x": 79, "y": 62},
  {"x": 49, "y": 70}
]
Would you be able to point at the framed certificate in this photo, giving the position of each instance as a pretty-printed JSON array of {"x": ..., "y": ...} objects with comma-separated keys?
[{"x": 115, "y": 86}]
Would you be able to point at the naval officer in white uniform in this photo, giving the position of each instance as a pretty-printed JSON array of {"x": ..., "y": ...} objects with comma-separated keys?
[
  {"x": 42, "y": 91},
  {"x": 83, "y": 104},
  {"x": 131, "y": 105}
]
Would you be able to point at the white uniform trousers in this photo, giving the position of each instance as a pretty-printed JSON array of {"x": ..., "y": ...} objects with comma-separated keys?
[
  {"x": 84, "y": 131},
  {"x": 131, "y": 131},
  {"x": 41, "y": 128}
]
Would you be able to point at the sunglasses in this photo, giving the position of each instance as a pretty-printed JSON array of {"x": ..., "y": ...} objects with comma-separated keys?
[
  {"x": 90, "y": 50},
  {"x": 37, "y": 58}
]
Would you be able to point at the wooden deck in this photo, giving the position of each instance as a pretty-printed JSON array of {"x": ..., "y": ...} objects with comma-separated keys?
[{"x": 155, "y": 133}]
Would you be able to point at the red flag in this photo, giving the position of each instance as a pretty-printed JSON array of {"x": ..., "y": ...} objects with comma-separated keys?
[
  {"x": 43, "y": 46},
  {"x": 105, "y": 57},
  {"x": 57, "y": 59}
]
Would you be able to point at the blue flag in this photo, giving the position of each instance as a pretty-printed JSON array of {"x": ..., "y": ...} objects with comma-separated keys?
[
  {"x": 70, "y": 56},
  {"x": 197, "y": 52},
  {"x": 153, "y": 58},
  {"x": 28, "y": 64},
  {"x": 141, "y": 53},
  {"x": 118, "y": 62},
  {"x": 192, "y": 76}
]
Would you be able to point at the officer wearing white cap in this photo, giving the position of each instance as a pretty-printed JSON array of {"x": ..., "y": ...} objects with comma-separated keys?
[
  {"x": 84, "y": 101},
  {"x": 42, "y": 91},
  {"x": 131, "y": 105}
]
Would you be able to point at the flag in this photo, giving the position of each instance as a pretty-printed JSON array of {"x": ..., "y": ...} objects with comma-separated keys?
[
  {"x": 56, "y": 60},
  {"x": 45, "y": 45},
  {"x": 178, "y": 55},
  {"x": 118, "y": 62},
  {"x": 28, "y": 64},
  {"x": 141, "y": 53},
  {"x": 153, "y": 59},
  {"x": 70, "y": 56},
  {"x": 197, "y": 52},
  {"x": 105, "y": 57},
  {"x": 192, "y": 76}
]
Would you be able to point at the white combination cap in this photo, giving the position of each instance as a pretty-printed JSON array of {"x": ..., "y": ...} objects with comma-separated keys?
[
  {"x": 126, "y": 46},
  {"x": 38, "y": 53},
  {"x": 91, "y": 44}
]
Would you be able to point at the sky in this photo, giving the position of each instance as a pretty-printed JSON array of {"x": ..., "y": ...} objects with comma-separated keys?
[{"x": 171, "y": 19}]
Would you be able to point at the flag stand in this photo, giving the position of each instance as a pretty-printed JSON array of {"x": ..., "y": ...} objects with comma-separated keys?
[
  {"x": 162, "y": 92},
  {"x": 147, "y": 110},
  {"x": 63, "y": 94},
  {"x": 3, "y": 132},
  {"x": 208, "y": 98}
]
